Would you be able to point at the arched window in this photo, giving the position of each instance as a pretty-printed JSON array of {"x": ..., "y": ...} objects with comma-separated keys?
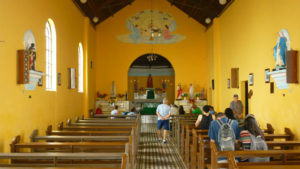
[
  {"x": 80, "y": 68},
  {"x": 50, "y": 34}
]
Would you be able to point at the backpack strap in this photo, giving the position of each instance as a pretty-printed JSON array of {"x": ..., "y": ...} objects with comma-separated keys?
[
  {"x": 230, "y": 121},
  {"x": 219, "y": 122}
]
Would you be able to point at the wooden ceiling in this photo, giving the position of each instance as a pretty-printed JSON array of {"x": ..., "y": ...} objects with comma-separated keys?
[
  {"x": 203, "y": 11},
  {"x": 99, "y": 10}
]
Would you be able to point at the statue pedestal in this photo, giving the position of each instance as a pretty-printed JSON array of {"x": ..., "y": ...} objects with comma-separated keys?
[{"x": 279, "y": 77}]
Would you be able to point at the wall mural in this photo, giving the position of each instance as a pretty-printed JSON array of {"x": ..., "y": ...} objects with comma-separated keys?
[{"x": 151, "y": 27}]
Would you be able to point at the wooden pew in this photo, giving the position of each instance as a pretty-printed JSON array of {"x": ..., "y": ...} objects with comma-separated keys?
[
  {"x": 182, "y": 129},
  {"x": 287, "y": 158},
  {"x": 174, "y": 121},
  {"x": 49, "y": 132},
  {"x": 188, "y": 142},
  {"x": 104, "y": 123},
  {"x": 133, "y": 133},
  {"x": 34, "y": 138},
  {"x": 135, "y": 123},
  {"x": 201, "y": 144},
  {"x": 287, "y": 136},
  {"x": 177, "y": 136},
  {"x": 77, "y": 120},
  {"x": 94, "y": 128},
  {"x": 112, "y": 160},
  {"x": 16, "y": 146},
  {"x": 99, "y": 147}
]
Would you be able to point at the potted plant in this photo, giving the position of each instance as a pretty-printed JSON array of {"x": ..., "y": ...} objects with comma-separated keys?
[
  {"x": 185, "y": 95},
  {"x": 198, "y": 95}
]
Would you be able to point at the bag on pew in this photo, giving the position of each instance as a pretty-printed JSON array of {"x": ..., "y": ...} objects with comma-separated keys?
[
  {"x": 258, "y": 143},
  {"x": 226, "y": 137}
]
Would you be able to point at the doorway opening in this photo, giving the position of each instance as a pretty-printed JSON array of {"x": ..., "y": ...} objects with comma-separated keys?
[
  {"x": 151, "y": 78},
  {"x": 244, "y": 97}
]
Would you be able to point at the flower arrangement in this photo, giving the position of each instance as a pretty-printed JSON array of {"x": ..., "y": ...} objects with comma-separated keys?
[
  {"x": 120, "y": 96},
  {"x": 142, "y": 90},
  {"x": 198, "y": 94},
  {"x": 102, "y": 96},
  {"x": 158, "y": 90}
]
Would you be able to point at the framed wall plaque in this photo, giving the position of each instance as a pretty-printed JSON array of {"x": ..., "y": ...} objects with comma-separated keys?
[
  {"x": 228, "y": 83},
  {"x": 234, "y": 77},
  {"x": 59, "y": 79},
  {"x": 251, "y": 79},
  {"x": 267, "y": 76}
]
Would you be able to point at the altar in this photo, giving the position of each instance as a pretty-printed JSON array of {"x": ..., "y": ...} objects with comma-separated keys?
[{"x": 148, "y": 102}]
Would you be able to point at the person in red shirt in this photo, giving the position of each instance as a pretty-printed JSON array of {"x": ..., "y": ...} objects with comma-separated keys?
[{"x": 99, "y": 110}]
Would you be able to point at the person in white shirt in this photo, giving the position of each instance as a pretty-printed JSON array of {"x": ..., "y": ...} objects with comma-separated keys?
[
  {"x": 163, "y": 113},
  {"x": 132, "y": 113},
  {"x": 115, "y": 112}
]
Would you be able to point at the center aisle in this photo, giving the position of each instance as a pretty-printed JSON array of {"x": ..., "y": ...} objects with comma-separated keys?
[{"x": 156, "y": 155}]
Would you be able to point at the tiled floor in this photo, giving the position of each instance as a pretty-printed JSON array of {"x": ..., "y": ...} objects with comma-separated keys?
[{"x": 156, "y": 155}]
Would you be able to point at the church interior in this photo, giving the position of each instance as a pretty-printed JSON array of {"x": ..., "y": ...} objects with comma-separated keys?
[{"x": 77, "y": 69}]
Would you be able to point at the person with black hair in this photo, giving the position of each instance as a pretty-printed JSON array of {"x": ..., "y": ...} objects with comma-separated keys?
[
  {"x": 181, "y": 110},
  {"x": 229, "y": 113},
  {"x": 252, "y": 138},
  {"x": 205, "y": 118}
]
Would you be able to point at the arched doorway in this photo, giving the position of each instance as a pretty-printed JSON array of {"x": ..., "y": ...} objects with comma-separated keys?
[{"x": 162, "y": 77}]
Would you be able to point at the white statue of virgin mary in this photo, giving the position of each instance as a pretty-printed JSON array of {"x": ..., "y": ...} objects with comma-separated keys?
[
  {"x": 191, "y": 92},
  {"x": 113, "y": 89}
]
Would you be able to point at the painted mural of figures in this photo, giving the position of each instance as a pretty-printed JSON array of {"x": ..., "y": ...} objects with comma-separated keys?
[
  {"x": 167, "y": 33},
  {"x": 191, "y": 91},
  {"x": 282, "y": 45},
  {"x": 179, "y": 91},
  {"x": 135, "y": 34},
  {"x": 113, "y": 90},
  {"x": 150, "y": 82}
]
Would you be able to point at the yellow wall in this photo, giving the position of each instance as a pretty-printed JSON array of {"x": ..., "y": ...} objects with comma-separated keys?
[
  {"x": 114, "y": 58},
  {"x": 19, "y": 114},
  {"x": 246, "y": 34}
]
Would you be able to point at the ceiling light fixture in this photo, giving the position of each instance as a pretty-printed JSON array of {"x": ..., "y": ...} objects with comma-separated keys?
[
  {"x": 152, "y": 57},
  {"x": 95, "y": 19},
  {"x": 83, "y": 1},
  {"x": 207, "y": 20},
  {"x": 222, "y": 2}
]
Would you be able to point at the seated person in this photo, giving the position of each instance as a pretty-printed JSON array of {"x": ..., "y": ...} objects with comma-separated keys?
[
  {"x": 181, "y": 110},
  {"x": 99, "y": 110},
  {"x": 212, "y": 110},
  {"x": 195, "y": 109},
  {"x": 229, "y": 113},
  {"x": 132, "y": 113},
  {"x": 115, "y": 112},
  {"x": 174, "y": 109},
  {"x": 252, "y": 138},
  {"x": 204, "y": 119},
  {"x": 217, "y": 126}
]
